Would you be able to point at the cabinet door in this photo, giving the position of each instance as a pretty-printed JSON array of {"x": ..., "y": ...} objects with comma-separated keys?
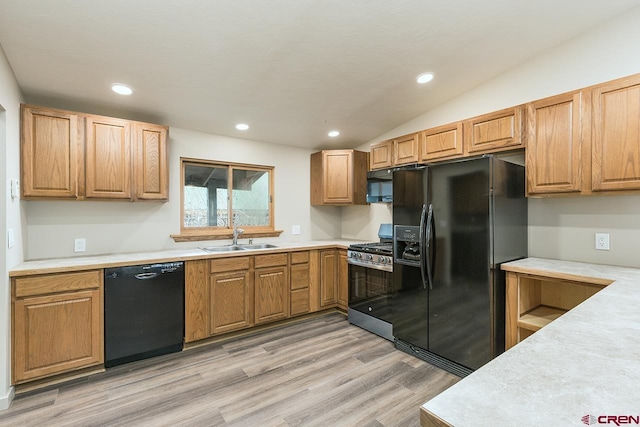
[
  {"x": 343, "y": 280},
  {"x": 51, "y": 142},
  {"x": 405, "y": 149},
  {"x": 495, "y": 131},
  {"x": 150, "y": 162},
  {"x": 231, "y": 301},
  {"x": 441, "y": 142},
  {"x": 554, "y": 144},
  {"x": 616, "y": 135},
  {"x": 338, "y": 176},
  {"x": 380, "y": 156},
  {"x": 196, "y": 300},
  {"x": 108, "y": 158},
  {"x": 328, "y": 278},
  {"x": 57, "y": 333},
  {"x": 271, "y": 294}
]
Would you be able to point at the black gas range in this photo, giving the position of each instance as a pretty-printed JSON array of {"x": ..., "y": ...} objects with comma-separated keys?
[{"x": 370, "y": 284}]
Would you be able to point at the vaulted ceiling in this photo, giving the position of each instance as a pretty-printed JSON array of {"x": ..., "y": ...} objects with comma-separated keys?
[{"x": 291, "y": 69}]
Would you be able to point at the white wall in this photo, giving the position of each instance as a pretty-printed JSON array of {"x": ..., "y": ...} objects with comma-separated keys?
[
  {"x": 126, "y": 227},
  {"x": 559, "y": 228},
  {"x": 10, "y": 213}
]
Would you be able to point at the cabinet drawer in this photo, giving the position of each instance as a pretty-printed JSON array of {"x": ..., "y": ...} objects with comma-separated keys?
[
  {"x": 56, "y": 283},
  {"x": 299, "y": 276},
  {"x": 299, "y": 301},
  {"x": 299, "y": 257},
  {"x": 271, "y": 260},
  {"x": 230, "y": 264}
]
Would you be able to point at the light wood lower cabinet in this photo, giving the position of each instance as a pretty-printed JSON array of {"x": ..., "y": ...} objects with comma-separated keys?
[
  {"x": 300, "y": 283},
  {"x": 231, "y": 294},
  {"x": 534, "y": 301},
  {"x": 328, "y": 278},
  {"x": 57, "y": 324},
  {"x": 343, "y": 280},
  {"x": 271, "y": 288}
]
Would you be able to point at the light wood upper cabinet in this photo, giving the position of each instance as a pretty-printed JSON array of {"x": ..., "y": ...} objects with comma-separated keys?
[
  {"x": 442, "y": 142},
  {"x": 108, "y": 158},
  {"x": 554, "y": 144},
  {"x": 57, "y": 324},
  {"x": 381, "y": 155},
  {"x": 497, "y": 131},
  {"x": 150, "y": 157},
  {"x": 405, "y": 149},
  {"x": 50, "y": 152},
  {"x": 339, "y": 177},
  {"x": 616, "y": 135},
  {"x": 68, "y": 155}
]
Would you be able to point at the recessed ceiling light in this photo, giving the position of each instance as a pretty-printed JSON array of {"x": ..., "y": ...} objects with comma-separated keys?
[
  {"x": 121, "y": 89},
  {"x": 333, "y": 133},
  {"x": 242, "y": 126},
  {"x": 424, "y": 78}
]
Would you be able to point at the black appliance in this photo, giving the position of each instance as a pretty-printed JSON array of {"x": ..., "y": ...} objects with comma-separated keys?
[
  {"x": 454, "y": 225},
  {"x": 143, "y": 311},
  {"x": 380, "y": 186},
  {"x": 370, "y": 279}
]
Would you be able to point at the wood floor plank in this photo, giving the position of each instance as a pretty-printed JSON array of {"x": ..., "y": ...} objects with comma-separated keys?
[{"x": 320, "y": 371}]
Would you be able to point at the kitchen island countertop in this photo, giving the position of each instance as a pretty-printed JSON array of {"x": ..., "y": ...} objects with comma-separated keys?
[
  {"x": 585, "y": 363},
  {"x": 57, "y": 265}
]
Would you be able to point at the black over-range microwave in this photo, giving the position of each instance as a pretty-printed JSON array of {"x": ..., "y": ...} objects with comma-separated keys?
[{"x": 380, "y": 186}]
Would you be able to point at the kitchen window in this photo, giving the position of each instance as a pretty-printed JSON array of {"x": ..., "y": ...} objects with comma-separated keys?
[{"x": 218, "y": 196}]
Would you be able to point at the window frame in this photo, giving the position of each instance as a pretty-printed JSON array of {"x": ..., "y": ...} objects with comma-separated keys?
[{"x": 226, "y": 232}]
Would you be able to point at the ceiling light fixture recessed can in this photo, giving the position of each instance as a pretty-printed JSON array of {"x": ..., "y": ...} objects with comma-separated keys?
[
  {"x": 333, "y": 134},
  {"x": 424, "y": 78},
  {"x": 242, "y": 126},
  {"x": 121, "y": 89}
]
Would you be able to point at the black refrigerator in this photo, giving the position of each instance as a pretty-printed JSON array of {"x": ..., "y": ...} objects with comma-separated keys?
[{"x": 454, "y": 225}]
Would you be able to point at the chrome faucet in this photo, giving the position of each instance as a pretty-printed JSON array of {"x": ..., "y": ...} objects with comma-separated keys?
[{"x": 236, "y": 232}]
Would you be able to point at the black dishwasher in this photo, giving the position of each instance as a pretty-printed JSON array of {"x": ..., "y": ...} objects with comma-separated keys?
[{"x": 143, "y": 311}]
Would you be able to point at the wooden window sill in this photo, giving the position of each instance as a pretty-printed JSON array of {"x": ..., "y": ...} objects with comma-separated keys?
[{"x": 222, "y": 235}]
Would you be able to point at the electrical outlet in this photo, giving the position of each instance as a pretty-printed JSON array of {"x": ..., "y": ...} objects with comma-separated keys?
[
  {"x": 295, "y": 229},
  {"x": 602, "y": 241},
  {"x": 80, "y": 245},
  {"x": 10, "y": 238}
]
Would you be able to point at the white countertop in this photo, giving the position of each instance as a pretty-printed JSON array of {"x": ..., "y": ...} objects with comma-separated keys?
[
  {"x": 55, "y": 265},
  {"x": 587, "y": 362}
]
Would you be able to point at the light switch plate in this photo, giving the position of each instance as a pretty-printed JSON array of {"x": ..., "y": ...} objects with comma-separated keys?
[{"x": 295, "y": 229}]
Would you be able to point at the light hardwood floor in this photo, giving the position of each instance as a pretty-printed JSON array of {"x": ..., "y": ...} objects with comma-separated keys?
[{"x": 319, "y": 372}]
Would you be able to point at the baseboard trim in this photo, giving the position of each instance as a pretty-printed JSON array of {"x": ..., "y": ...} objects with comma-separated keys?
[{"x": 5, "y": 401}]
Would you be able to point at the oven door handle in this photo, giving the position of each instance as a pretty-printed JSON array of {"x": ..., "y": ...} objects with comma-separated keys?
[{"x": 422, "y": 245}]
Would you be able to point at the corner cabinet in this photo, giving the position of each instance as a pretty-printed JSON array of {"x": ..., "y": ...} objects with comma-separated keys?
[
  {"x": 339, "y": 177},
  {"x": 57, "y": 324},
  {"x": 69, "y": 155}
]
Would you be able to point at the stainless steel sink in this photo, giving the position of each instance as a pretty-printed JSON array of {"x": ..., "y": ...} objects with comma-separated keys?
[
  {"x": 258, "y": 246},
  {"x": 242, "y": 247},
  {"x": 229, "y": 248}
]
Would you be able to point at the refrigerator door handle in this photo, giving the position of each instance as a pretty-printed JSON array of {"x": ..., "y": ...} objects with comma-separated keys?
[
  {"x": 421, "y": 244},
  {"x": 428, "y": 239},
  {"x": 434, "y": 251}
]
